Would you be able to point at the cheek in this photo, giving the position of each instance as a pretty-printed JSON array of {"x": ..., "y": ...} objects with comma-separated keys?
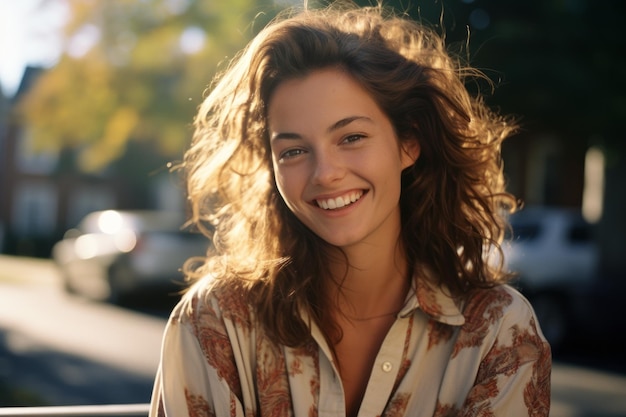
[
  {"x": 285, "y": 186},
  {"x": 388, "y": 170},
  {"x": 279, "y": 178},
  {"x": 280, "y": 183},
  {"x": 382, "y": 163}
]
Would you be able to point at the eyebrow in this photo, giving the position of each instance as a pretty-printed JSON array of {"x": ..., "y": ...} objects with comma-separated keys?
[{"x": 335, "y": 126}]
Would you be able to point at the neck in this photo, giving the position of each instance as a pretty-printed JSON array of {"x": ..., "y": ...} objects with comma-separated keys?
[{"x": 374, "y": 284}]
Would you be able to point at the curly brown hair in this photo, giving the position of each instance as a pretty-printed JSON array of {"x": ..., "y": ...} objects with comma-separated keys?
[{"x": 453, "y": 200}]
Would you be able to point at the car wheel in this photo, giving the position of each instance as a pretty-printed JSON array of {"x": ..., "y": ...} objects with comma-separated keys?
[{"x": 552, "y": 315}]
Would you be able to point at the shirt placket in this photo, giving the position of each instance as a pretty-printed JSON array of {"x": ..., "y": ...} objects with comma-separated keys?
[
  {"x": 381, "y": 382},
  {"x": 385, "y": 370}
]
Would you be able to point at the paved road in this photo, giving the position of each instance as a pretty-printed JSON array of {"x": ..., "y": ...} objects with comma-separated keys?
[{"x": 69, "y": 351}]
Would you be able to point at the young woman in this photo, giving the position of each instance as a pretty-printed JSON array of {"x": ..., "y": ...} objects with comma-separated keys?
[{"x": 353, "y": 192}]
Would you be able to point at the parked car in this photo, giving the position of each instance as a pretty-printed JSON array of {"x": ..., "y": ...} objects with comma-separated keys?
[
  {"x": 112, "y": 254},
  {"x": 554, "y": 253}
]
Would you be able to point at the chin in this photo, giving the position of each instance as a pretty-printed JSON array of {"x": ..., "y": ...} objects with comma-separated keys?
[{"x": 341, "y": 242}]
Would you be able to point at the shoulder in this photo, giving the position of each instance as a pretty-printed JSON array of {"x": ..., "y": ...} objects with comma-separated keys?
[
  {"x": 502, "y": 315},
  {"x": 505, "y": 357},
  {"x": 498, "y": 300},
  {"x": 212, "y": 301},
  {"x": 498, "y": 303}
]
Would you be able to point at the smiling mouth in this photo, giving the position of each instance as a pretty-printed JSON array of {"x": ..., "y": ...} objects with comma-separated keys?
[{"x": 339, "y": 202}]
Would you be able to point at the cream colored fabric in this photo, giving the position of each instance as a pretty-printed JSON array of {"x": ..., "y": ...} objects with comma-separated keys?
[{"x": 486, "y": 358}]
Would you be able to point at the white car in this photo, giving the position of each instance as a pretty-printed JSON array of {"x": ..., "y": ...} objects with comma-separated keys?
[
  {"x": 555, "y": 257},
  {"x": 112, "y": 254}
]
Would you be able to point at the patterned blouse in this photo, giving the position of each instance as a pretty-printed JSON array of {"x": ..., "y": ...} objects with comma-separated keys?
[{"x": 485, "y": 358}]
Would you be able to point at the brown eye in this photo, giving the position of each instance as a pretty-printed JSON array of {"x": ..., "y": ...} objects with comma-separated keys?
[
  {"x": 353, "y": 138},
  {"x": 290, "y": 153}
]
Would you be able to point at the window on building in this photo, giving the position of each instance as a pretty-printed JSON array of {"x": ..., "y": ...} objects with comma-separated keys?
[{"x": 35, "y": 208}]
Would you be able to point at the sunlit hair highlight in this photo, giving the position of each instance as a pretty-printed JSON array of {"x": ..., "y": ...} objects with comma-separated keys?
[{"x": 453, "y": 201}]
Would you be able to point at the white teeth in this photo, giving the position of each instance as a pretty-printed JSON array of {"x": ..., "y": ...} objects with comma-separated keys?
[{"x": 339, "y": 202}]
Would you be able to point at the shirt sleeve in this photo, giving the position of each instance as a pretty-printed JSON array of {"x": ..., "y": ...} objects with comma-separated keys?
[
  {"x": 514, "y": 376},
  {"x": 196, "y": 376}
]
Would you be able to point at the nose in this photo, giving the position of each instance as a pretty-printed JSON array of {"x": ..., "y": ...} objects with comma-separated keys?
[{"x": 328, "y": 168}]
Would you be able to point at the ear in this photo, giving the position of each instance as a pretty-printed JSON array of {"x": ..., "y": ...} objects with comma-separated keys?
[{"x": 409, "y": 152}]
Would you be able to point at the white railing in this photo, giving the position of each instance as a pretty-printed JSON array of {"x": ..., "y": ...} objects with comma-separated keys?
[{"x": 113, "y": 410}]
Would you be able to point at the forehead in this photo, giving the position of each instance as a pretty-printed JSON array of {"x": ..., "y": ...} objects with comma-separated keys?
[{"x": 323, "y": 96}]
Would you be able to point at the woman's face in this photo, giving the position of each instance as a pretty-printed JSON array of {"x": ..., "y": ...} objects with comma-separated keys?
[{"x": 337, "y": 160}]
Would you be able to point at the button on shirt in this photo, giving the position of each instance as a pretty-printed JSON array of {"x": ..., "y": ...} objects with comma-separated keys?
[{"x": 486, "y": 357}]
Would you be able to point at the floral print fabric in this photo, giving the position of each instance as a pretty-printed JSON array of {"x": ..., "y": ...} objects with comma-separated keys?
[{"x": 484, "y": 358}]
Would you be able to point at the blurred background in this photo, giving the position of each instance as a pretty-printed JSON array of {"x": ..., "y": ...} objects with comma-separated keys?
[{"x": 96, "y": 104}]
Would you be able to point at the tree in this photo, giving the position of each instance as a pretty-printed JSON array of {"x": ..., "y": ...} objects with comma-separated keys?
[
  {"x": 557, "y": 64},
  {"x": 134, "y": 70}
]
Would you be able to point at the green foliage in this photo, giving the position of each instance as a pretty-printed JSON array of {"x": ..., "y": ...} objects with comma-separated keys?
[
  {"x": 557, "y": 65},
  {"x": 140, "y": 78}
]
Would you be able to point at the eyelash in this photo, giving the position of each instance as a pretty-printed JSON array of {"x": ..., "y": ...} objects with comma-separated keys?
[
  {"x": 292, "y": 153},
  {"x": 353, "y": 138}
]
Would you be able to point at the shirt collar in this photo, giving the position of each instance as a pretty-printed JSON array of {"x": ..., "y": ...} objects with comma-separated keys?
[{"x": 434, "y": 300}]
